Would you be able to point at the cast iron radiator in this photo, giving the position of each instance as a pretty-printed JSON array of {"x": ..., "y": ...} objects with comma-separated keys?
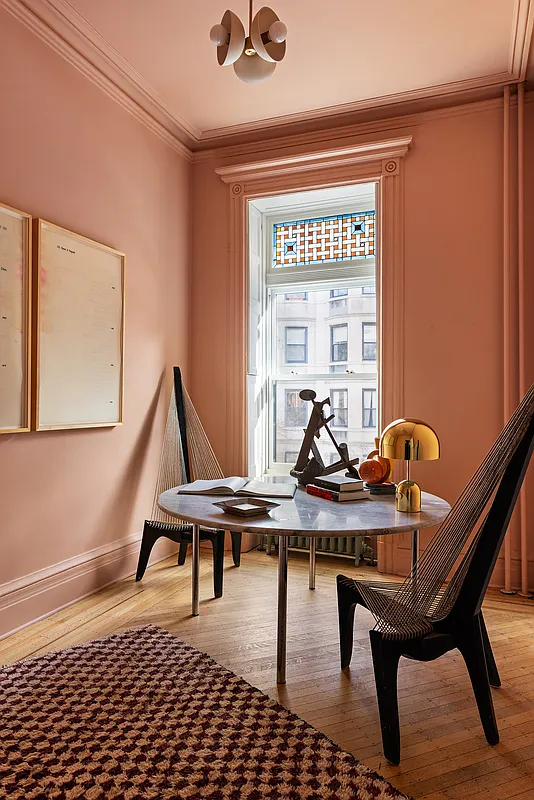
[{"x": 349, "y": 546}]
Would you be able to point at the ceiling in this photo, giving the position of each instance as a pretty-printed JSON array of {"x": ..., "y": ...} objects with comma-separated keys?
[{"x": 342, "y": 55}]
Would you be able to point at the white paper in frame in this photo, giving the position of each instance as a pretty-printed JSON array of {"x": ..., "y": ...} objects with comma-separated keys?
[
  {"x": 78, "y": 330},
  {"x": 15, "y": 311}
]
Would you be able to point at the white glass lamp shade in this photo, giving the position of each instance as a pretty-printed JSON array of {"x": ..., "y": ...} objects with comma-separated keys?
[
  {"x": 278, "y": 32},
  {"x": 219, "y": 35},
  {"x": 252, "y": 69},
  {"x": 265, "y": 46},
  {"x": 232, "y": 47}
]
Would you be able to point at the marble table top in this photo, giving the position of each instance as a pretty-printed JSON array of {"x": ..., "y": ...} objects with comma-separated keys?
[{"x": 306, "y": 515}]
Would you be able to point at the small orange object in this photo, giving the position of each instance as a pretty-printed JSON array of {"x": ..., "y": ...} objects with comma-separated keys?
[{"x": 372, "y": 471}]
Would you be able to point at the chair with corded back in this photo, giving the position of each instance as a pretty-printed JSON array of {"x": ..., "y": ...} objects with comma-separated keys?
[
  {"x": 438, "y": 606},
  {"x": 186, "y": 455}
]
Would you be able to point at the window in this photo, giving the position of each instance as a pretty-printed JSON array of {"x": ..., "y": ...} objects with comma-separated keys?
[
  {"x": 341, "y": 237},
  {"x": 369, "y": 341},
  {"x": 369, "y": 408},
  {"x": 296, "y": 416},
  {"x": 290, "y": 457},
  {"x": 339, "y": 345},
  {"x": 338, "y": 299},
  {"x": 339, "y": 407},
  {"x": 296, "y": 345},
  {"x": 307, "y": 273},
  {"x": 369, "y": 289}
]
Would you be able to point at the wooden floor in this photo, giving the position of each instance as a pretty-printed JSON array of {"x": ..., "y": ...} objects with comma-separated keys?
[{"x": 444, "y": 752}]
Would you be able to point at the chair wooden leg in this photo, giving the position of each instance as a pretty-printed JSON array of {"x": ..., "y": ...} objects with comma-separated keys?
[
  {"x": 236, "y": 548},
  {"x": 346, "y": 606},
  {"x": 148, "y": 541},
  {"x": 493, "y": 672},
  {"x": 470, "y": 643},
  {"x": 386, "y": 655},
  {"x": 182, "y": 553},
  {"x": 218, "y": 563}
]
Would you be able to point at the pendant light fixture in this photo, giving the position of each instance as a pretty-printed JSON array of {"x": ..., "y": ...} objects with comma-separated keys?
[{"x": 254, "y": 56}]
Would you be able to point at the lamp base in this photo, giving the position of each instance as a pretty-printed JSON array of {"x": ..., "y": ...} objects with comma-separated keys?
[{"x": 408, "y": 497}]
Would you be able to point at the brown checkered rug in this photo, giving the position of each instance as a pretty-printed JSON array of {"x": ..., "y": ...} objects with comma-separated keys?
[{"x": 140, "y": 714}]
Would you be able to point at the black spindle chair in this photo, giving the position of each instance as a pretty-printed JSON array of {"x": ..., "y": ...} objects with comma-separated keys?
[
  {"x": 439, "y": 605},
  {"x": 186, "y": 455}
]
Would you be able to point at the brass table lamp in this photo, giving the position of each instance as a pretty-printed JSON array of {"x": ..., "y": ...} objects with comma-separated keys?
[{"x": 409, "y": 440}]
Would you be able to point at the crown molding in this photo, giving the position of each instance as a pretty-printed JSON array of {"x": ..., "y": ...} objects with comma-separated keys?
[
  {"x": 59, "y": 26},
  {"x": 348, "y": 132},
  {"x": 371, "y": 104},
  {"x": 521, "y": 39},
  {"x": 68, "y": 33}
]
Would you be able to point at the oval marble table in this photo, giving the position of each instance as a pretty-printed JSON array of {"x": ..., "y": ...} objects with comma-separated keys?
[{"x": 304, "y": 515}]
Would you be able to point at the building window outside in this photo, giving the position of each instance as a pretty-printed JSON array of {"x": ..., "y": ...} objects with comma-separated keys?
[
  {"x": 296, "y": 296},
  {"x": 296, "y": 345},
  {"x": 369, "y": 289},
  {"x": 339, "y": 407},
  {"x": 368, "y": 408},
  {"x": 369, "y": 341},
  {"x": 339, "y": 345},
  {"x": 290, "y": 457},
  {"x": 295, "y": 416},
  {"x": 338, "y": 298}
]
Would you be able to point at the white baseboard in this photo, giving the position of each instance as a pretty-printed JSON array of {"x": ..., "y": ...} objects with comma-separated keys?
[{"x": 34, "y": 596}]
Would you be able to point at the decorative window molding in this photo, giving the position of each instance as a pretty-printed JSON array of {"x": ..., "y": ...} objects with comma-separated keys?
[
  {"x": 381, "y": 162},
  {"x": 387, "y": 151}
]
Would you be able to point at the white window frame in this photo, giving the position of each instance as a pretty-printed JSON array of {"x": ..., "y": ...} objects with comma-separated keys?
[{"x": 332, "y": 275}]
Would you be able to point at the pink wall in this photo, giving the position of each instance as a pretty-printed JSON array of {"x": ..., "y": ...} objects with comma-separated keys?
[
  {"x": 73, "y": 156},
  {"x": 453, "y": 273}
]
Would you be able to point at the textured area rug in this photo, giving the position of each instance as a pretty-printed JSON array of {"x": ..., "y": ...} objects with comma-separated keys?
[{"x": 140, "y": 714}]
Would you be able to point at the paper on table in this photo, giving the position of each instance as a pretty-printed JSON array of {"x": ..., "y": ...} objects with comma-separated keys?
[{"x": 239, "y": 486}]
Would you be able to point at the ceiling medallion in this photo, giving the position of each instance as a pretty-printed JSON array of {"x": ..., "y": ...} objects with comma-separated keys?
[{"x": 254, "y": 56}]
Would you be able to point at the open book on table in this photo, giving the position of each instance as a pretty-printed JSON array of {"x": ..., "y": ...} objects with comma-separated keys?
[{"x": 240, "y": 487}]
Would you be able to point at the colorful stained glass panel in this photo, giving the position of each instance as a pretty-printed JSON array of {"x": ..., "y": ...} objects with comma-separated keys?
[{"x": 344, "y": 237}]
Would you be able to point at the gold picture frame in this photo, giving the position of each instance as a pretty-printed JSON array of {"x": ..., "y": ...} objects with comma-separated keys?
[
  {"x": 78, "y": 330},
  {"x": 15, "y": 320}
]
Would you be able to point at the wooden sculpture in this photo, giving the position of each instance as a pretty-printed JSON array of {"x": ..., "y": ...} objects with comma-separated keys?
[{"x": 309, "y": 467}]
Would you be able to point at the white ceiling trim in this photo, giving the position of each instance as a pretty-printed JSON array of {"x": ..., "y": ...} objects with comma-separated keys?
[{"x": 58, "y": 24}]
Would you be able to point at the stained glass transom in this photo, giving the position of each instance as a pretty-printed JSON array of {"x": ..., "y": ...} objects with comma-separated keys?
[{"x": 343, "y": 237}]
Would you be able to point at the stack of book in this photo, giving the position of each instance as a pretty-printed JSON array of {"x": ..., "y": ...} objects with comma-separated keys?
[
  {"x": 381, "y": 488},
  {"x": 338, "y": 488}
]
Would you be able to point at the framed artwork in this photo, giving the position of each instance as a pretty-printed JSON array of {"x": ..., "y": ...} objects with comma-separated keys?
[
  {"x": 78, "y": 336},
  {"x": 15, "y": 315}
]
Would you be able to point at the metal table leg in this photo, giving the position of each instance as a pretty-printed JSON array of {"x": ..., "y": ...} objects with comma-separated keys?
[
  {"x": 415, "y": 547},
  {"x": 195, "y": 572},
  {"x": 313, "y": 548},
  {"x": 282, "y": 610}
]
